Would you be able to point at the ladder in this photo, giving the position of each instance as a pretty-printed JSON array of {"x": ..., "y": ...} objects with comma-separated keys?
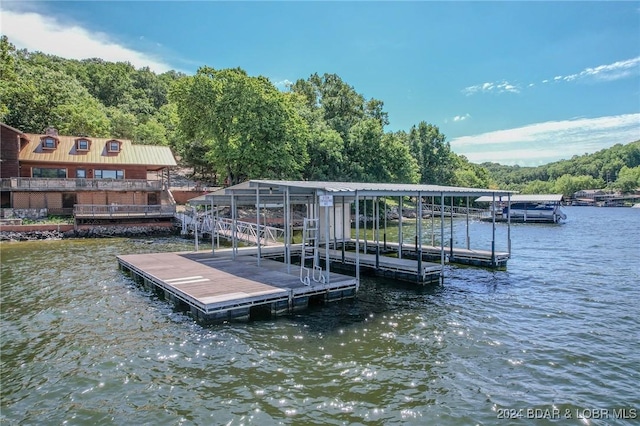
[{"x": 310, "y": 241}]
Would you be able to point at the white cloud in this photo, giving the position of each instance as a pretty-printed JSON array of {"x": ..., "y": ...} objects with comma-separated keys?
[
  {"x": 549, "y": 141},
  {"x": 283, "y": 84},
  {"x": 608, "y": 72},
  {"x": 36, "y": 32},
  {"x": 461, "y": 117},
  {"x": 495, "y": 87}
]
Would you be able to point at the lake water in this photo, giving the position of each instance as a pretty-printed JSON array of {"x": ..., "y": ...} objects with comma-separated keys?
[{"x": 558, "y": 330}]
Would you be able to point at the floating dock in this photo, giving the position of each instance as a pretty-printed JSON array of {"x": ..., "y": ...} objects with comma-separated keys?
[
  {"x": 215, "y": 289},
  {"x": 242, "y": 282},
  {"x": 456, "y": 255}
]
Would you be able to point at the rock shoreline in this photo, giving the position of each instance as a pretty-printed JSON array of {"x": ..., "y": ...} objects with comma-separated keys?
[{"x": 94, "y": 232}]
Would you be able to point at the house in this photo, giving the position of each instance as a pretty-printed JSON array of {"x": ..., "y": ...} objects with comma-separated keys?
[{"x": 92, "y": 179}]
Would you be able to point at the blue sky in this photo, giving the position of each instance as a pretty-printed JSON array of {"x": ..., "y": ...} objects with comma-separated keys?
[{"x": 512, "y": 82}]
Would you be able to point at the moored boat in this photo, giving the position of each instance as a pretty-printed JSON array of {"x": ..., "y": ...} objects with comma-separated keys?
[{"x": 536, "y": 208}]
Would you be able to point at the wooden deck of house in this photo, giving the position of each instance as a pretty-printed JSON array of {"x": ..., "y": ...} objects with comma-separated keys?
[{"x": 221, "y": 288}]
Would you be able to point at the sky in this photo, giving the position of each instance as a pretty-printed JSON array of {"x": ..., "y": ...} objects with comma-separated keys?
[{"x": 522, "y": 83}]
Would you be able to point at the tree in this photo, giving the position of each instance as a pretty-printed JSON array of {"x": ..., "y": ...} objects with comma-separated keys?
[
  {"x": 628, "y": 179},
  {"x": 432, "y": 153},
  {"x": 253, "y": 129}
]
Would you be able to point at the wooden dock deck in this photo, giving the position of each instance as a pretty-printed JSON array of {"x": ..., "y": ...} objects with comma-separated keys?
[
  {"x": 221, "y": 288},
  {"x": 457, "y": 255},
  {"x": 402, "y": 269}
]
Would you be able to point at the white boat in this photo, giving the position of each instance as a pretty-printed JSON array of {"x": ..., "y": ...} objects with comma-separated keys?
[
  {"x": 537, "y": 208},
  {"x": 636, "y": 206},
  {"x": 534, "y": 212}
]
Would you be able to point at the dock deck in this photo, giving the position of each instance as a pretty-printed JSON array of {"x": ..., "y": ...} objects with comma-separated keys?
[
  {"x": 457, "y": 255},
  {"x": 220, "y": 288},
  {"x": 403, "y": 269}
]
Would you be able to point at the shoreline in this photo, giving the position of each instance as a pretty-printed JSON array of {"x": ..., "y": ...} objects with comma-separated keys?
[{"x": 17, "y": 233}]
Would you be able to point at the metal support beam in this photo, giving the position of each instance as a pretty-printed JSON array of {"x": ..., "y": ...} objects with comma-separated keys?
[
  {"x": 441, "y": 238},
  {"x": 258, "y": 225},
  {"x": 357, "y": 241},
  {"x": 400, "y": 237},
  {"x": 419, "y": 237}
]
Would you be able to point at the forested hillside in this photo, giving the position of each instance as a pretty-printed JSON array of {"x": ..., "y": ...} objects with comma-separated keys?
[
  {"x": 615, "y": 168},
  {"x": 229, "y": 126}
]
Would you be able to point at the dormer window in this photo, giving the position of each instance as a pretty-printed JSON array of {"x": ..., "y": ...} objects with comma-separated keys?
[
  {"x": 83, "y": 144},
  {"x": 113, "y": 146},
  {"x": 49, "y": 142}
]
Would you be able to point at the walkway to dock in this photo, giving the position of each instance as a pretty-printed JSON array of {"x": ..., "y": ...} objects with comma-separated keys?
[{"x": 218, "y": 288}]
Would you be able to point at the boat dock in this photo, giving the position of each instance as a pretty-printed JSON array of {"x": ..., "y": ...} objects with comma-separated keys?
[
  {"x": 456, "y": 255},
  {"x": 241, "y": 282},
  {"x": 220, "y": 288}
]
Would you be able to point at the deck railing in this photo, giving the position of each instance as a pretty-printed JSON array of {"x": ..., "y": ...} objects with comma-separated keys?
[
  {"x": 79, "y": 184},
  {"x": 119, "y": 211}
]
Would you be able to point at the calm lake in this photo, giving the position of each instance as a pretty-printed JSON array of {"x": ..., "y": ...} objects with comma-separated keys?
[{"x": 558, "y": 330}]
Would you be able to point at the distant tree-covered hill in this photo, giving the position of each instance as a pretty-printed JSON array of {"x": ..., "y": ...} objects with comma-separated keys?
[{"x": 616, "y": 168}]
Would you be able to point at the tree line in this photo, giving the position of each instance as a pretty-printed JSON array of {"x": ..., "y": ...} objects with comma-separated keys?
[{"x": 229, "y": 126}]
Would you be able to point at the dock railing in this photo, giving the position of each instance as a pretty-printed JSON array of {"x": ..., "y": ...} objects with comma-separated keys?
[
  {"x": 119, "y": 211},
  {"x": 224, "y": 227},
  {"x": 455, "y": 211},
  {"x": 79, "y": 184}
]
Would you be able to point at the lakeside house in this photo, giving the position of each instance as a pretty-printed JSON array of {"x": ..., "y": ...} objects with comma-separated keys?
[{"x": 95, "y": 180}]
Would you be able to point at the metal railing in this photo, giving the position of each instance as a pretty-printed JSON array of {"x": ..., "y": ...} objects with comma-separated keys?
[
  {"x": 118, "y": 211},
  {"x": 224, "y": 227},
  {"x": 79, "y": 184}
]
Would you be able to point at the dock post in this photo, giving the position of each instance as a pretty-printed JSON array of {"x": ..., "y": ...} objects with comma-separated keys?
[
  {"x": 433, "y": 223},
  {"x": 327, "y": 237},
  {"x": 213, "y": 230},
  {"x": 365, "y": 224},
  {"x": 493, "y": 234},
  {"x": 287, "y": 224},
  {"x": 258, "y": 223},
  {"x": 385, "y": 224},
  {"x": 344, "y": 231},
  {"x": 400, "y": 237},
  {"x": 419, "y": 237},
  {"x": 442, "y": 236},
  {"x": 234, "y": 224},
  {"x": 376, "y": 218},
  {"x": 468, "y": 238},
  {"x": 509, "y": 225},
  {"x": 451, "y": 234},
  {"x": 195, "y": 227},
  {"x": 357, "y": 241}
]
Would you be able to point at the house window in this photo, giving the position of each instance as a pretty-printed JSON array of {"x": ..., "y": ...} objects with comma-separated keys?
[
  {"x": 38, "y": 172},
  {"x": 49, "y": 143},
  {"x": 83, "y": 145},
  {"x": 81, "y": 173},
  {"x": 108, "y": 174},
  {"x": 113, "y": 146}
]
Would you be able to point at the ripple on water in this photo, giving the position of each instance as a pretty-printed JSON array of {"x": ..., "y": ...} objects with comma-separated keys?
[{"x": 82, "y": 344}]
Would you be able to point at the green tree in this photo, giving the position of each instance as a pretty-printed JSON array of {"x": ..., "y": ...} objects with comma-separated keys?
[
  {"x": 628, "y": 179},
  {"x": 253, "y": 129},
  {"x": 432, "y": 153}
]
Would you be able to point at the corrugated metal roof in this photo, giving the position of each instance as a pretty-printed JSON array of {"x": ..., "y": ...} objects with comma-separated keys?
[
  {"x": 130, "y": 154},
  {"x": 524, "y": 198},
  {"x": 378, "y": 188}
]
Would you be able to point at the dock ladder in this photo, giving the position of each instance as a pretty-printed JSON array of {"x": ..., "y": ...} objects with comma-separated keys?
[{"x": 310, "y": 242}]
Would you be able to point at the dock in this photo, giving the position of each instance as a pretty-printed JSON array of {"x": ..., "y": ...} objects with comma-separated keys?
[
  {"x": 454, "y": 255},
  {"x": 214, "y": 289},
  {"x": 243, "y": 282}
]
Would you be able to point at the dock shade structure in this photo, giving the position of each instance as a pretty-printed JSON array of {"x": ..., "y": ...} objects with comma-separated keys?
[
  {"x": 536, "y": 208},
  {"x": 327, "y": 240}
]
